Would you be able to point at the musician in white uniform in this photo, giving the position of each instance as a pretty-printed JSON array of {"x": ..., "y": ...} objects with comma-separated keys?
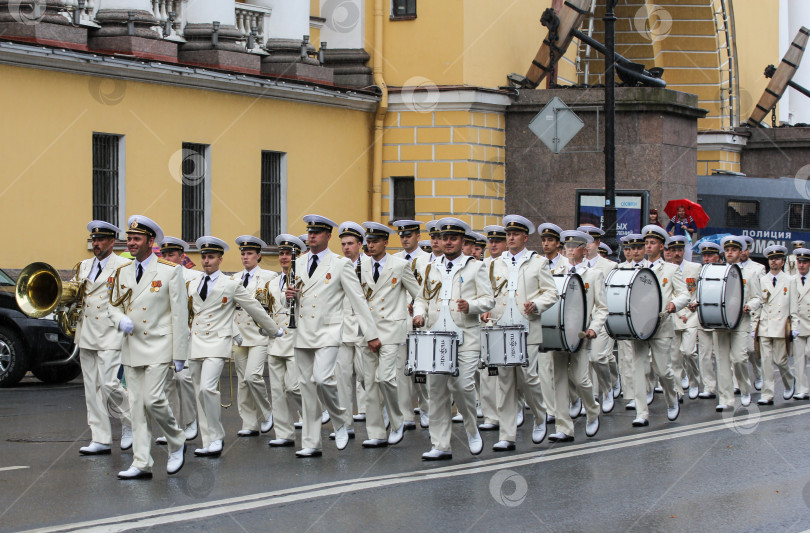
[
  {"x": 633, "y": 247},
  {"x": 674, "y": 297},
  {"x": 155, "y": 326},
  {"x": 455, "y": 291},
  {"x": 604, "y": 250},
  {"x": 707, "y": 339},
  {"x": 285, "y": 387},
  {"x": 388, "y": 287},
  {"x": 408, "y": 391},
  {"x": 779, "y": 309},
  {"x": 179, "y": 385},
  {"x": 731, "y": 349},
  {"x": 790, "y": 261},
  {"x": 684, "y": 354},
  {"x": 214, "y": 298},
  {"x": 99, "y": 342},
  {"x": 324, "y": 280},
  {"x": 250, "y": 349},
  {"x": 572, "y": 370},
  {"x": 800, "y": 342},
  {"x": 349, "y": 365},
  {"x": 751, "y": 353}
]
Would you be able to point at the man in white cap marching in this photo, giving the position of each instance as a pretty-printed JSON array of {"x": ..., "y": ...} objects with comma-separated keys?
[
  {"x": 683, "y": 353},
  {"x": 707, "y": 339},
  {"x": 800, "y": 343}
]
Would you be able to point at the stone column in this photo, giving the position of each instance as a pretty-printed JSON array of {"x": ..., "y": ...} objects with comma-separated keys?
[
  {"x": 39, "y": 21},
  {"x": 128, "y": 26},
  {"x": 217, "y": 47},
  {"x": 289, "y": 22},
  {"x": 344, "y": 33}
]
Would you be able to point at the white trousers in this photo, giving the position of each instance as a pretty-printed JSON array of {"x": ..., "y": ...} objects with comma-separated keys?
[
  {"x": 316, "y": 367},
  {"x": 409, "y": 393},
  {"x": 205, "y": 374},
  {"x": 285, "y": 389},
  {"x": 732, "y": 359},
  {"x": 659, "y": 348},
  {"x": 488, "y": 396},
  {"x": 514, "y": 379},
  {"x": 380, "y": 378},
  {"x": 800, "y": 364},
  {"x": 103, "y": 394},
  {"x": 707, "y": 344},
  {"x": 684, "y": 357},
  {"x": 774, "y": 352},
  {"x": 180, "y": 393},
  {"x": 349, "y": 376},
  {"x": 601, "y": 355},
  {"x": 462, "y": 388},
  {"x": 573, "y": 368},
  {"x": 251, "y": 393}
]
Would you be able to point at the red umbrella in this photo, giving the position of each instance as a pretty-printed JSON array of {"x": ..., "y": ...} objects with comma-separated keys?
[{"x": 693, "y": 209}]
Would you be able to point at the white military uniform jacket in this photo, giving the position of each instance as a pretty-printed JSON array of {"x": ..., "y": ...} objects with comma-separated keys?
[
  {"x": 243, "y": 322},
  {"x": 790, "y": 265},
  {"x": 595, "y": 296},
  {"x": 779, "y": 304},
  {"x": 673, "y": 289},
  {"x": 690, "y": 272},
  {"x": 534, "y": 284},
  {"x": 281, "y": 346},
  {"x": 419, "y": 259},
  {"x": 158, "y": 308},
  {"x": 212, "y": 327},
  {"x": 562, "y": 266},
  {"x": 351, "y": 328},
  {"x": 803, "y": 304},
  {"x": 751, "y": 296},
  {"x": 469, "y": 282},
  {"x": 389, "y": 296},
  {"x": 320, "y": 302},
  {"x": 601, "y": 264},
  {"x": 96, "y": 330},
  {"x": 759, "y": 268}
]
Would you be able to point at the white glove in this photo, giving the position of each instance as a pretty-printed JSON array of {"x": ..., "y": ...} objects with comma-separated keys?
[
  {"x": 178, "y": 365},
  {"x": 280, "y": 332},
  {"x": 238, "y": 339},
  {"x": 126, "y": 325},
  {"x": 794, "y": 333}
]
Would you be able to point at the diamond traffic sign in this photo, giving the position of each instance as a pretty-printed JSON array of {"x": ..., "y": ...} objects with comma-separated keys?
[{"x": 555, "y": 125}]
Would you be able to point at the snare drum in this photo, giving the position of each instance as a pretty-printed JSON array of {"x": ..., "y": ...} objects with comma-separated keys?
[
  {"x": 432, "y": 352},
  {"x": 720, "y": 296},
  {"x": 504, "y": 346},
  {"x": 634, "y": 303},
  {"x": 563, "y": 322}
]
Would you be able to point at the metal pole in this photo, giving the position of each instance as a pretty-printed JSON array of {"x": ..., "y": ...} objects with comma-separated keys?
[{"x": 610, "y": 128}]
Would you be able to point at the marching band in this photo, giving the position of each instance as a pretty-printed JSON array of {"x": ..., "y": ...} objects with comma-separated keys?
[{"x": 437, "y": 327}]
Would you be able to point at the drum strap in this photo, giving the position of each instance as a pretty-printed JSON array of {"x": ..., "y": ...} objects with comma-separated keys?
[
  {"x": 496, "y": 287},
  {"x": 428, "y": 292}
]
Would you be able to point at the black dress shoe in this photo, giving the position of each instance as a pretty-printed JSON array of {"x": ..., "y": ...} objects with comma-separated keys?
[
  {"x": 564, "y": 438},
  {"x": 409, "y": 425},
  {"x": 764, "y": 402},
  {"x": 308, "y": 452},
  {"x": 247, "y": 433},
  {"x": 375, "y": 443}
]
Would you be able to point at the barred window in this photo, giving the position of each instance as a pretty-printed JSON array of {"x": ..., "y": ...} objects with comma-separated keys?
[
  {"x": 742, "y": 214},
  {"x": 196, "y": 190},
  {"x": 107, "y": 179},
  {"x": 403, "y": 9},
  {"x": 795, "y": 216},
  {"x": 404, "y": 206},
  {"x": 273, "y": 192}
]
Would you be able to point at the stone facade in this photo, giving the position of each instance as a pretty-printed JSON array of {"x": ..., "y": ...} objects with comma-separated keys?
[{"x": 776, "y": 152}]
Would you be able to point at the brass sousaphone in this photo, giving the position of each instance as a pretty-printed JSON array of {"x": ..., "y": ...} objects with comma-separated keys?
[{"x": 40, "y": 291}]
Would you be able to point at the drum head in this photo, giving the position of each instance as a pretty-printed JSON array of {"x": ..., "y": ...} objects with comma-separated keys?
[
  {"x": 645, "y": 304},
  {"x": 573, "y": 312},
  {"x": 733, "y": 296}
]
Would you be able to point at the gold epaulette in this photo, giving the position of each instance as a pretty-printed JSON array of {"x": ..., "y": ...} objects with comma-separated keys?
[
  {"x": 125, "y": 264},
  {"x": 164, "y": 262}
]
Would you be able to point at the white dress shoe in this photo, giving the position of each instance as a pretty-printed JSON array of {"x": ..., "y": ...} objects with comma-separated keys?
[
  {"x": 765, "y": 401},
  {"x": 693, "y": 392},
  {"x": 801, "y": 396},
  {"x": 608, "y": 403},
  {"x": 375, "y": 443},
  {"x": 298, "y": 425},
  {"x": 416, "y": 410},
  {"x": 359, "y": 417},
  {"x": 176, "y": 461},
  {"x": 341, "y": 437},
  {"x": 631, "y": 405},
  {"x": 267, "y": 425},
  {"x": 745, "y": 400},
  {"x": 308, "y": 452},
  {"x": 539, "y": 432},
  {"x": 325, "y": 417},
  {"x": 575, "y": 408},
  {"x": 684, "y": 382},
  {"x": 487, "y": 426},
  {"x": 134, "y": 473},
  {"x": 126, "y": 437},
  {"x": 350, "y": 431},
  {"x": 94, "y": 448},
  {"x": 475, "y": 442},
  {"x": 457, "y": 418},
  {"x": 280, "y": 443},
  {"x": 247, "y": 433},
  {"x": 706, "y": 395},
  {"x": 503, "y": 446},
  {"x": 551, "y": 419},
  {"x": 396, "y": 436},
  {"x": 591, "y": 427},
  {"x": 520, "y": 418},
  {"x": 424, "y": 420},
  {"x": 758, "y": 383},
  {"x": 720, "y": 407},
  {"x": 213, "y": 450},
  {"x": 161, "y": 440},
  {"x": 617, "y": 387},
  {"x": 436, "y": 455},
  {"x": 788, "y": 394},
  {"x": 674, "y": 411},
  {"x": 640, "y": 422},
  {"x": 191, "y": 431},
  {"x": 659, "y": 389},
  {"x": 560, "y": 437},
  {"x": 650, "y": 396}
]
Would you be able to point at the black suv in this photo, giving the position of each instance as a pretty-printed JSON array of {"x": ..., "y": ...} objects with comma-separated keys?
[{"x": 34, "y": 344}]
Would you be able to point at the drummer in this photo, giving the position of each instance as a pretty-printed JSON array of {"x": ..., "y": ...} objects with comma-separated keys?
[
  {"x": 527, "y": 270},
  {"x": 752, "y": 353},
  {"x": 684, "y": 354},
  {"x": 674, "y": 297},
  {"x": 633, "y": 248},
  {"x": 574, "y": 368},
  {"x": 707, "y": 339}
]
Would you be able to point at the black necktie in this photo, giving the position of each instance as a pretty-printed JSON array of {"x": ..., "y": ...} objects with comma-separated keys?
[
  {"x": 376, "y": 275},
  {"x": 283, "y": 281},
  {"x": 408, "y": 257},
  {"x": 774, "y": 281},
  {"x": 246, "y": 279},
  {"x": 204, "y": 290},
  {"x": 313, "y": 265},
  {"x": 98, "y": 272},
  {"x": 513, "y": 260},
  {"x": 139, "y": 273},
  {"x": 449, "y": 266},
  {"x": 573, "y": 270},
  {"x": 802, "y": 280}
]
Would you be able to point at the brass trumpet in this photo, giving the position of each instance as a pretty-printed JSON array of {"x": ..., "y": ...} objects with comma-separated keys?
[{"x": 40, "y": 291}]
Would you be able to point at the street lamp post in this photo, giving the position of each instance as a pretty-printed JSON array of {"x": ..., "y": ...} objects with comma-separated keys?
[{"x": 610, "y": 128}]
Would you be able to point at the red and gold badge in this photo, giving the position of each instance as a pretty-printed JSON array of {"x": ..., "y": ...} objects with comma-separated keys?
[
  {"x": 393, "y": 281},
  {"x": 224, "y": 299}
]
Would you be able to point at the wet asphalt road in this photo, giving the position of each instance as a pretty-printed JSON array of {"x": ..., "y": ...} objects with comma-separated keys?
[{"x": 747, "y": 471}]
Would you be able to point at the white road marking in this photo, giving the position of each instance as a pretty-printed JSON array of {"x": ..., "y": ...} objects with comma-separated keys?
[
  {"x": 159, "y": 517},
  {"x": 13, "y": 468}
]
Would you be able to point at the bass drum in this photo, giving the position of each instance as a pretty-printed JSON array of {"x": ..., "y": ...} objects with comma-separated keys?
[
  {"x": 564, "y": 322},
  {"x": 634, "y": 303},
  {"x": 720, "y": 296}
]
